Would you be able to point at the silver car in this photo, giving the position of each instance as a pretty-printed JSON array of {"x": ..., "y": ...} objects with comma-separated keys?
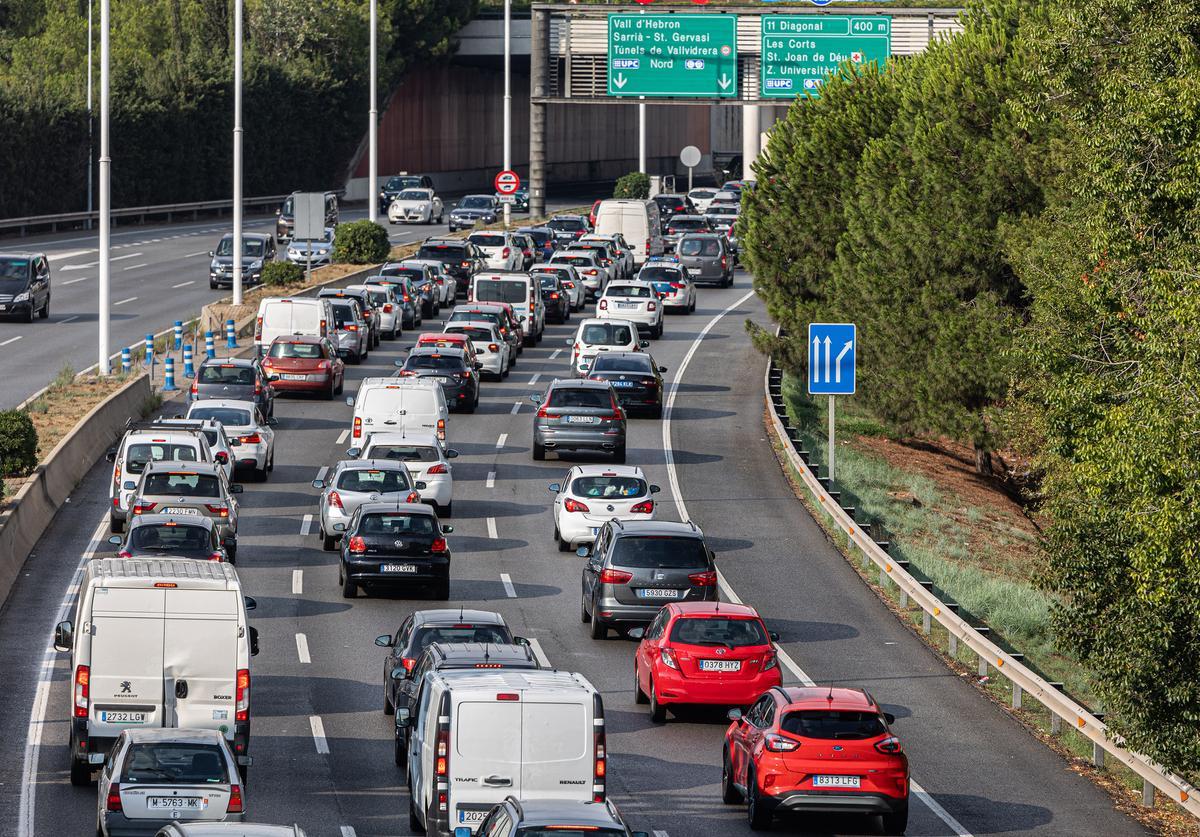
[
  {"x": 578, "y": 415},
  {"x": 313, "y": 253},
  {"x": 352, "y": 334},
  {"x": 244, "y": 421},
  {"x": 707, "y": 258},
  {"x": 384, "y": 300},
  {"x": 190, "y": 489},
  {"x": 357, "y": 481}
]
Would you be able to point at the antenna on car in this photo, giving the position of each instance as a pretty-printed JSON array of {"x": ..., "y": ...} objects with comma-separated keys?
[{"x": 829, "y": 697}]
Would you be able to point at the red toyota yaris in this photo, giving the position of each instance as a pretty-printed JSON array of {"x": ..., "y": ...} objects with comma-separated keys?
[
  {"x": 815, "y": 749},
  {"x": 704, "y": 652}
]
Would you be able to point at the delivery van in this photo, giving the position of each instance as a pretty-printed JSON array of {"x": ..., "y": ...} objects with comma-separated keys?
[
  {"x": 519, "y": 291},
  {"x": 636, "y": 220},
  {"x": 284, "y": 317},
  {"x": 480, "y": 736},
  {"x": 157, "y": 643},
  {"x": 397, "y": 405}
]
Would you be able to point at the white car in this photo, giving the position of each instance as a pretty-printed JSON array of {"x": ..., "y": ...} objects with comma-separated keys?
[
  {"x": 491, "y": 349},
  {"x": 416, "y": 206},
  {"x": 499, "y": 250},
  {"x": 621, "y": 256},
  {"x": 243, "y": 421},
  {"x": 636, "y": 302},
  {"x": 595, "y": 335},
  {"x": 427, "y": 461},
  {"x": 320, "y": 252},
  {"x": 357, "y": 481},
  {"x": 446, "y": 283},
  {"x": 675, "y": 287},
  {"x": 591, "y": 495},
  {"x": 701, "y": 198},
  {"x": 587, "y": 265},
  {"x": 385, "y": 302}
]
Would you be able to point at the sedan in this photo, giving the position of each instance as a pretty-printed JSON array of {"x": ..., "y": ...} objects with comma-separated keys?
[
  {"x": 472, "y": 210},
  {"x": 396, "y": 546},
  {"x": 675, "y": 287},
  {"x": 591, "y": 495},
  {"x": 312, "y": 253},
  {"x": 416, "y": 206},
  {"x": 595, "y": 336},
  {"x": 305, "y": 364},
  {"x": 244, "y": 422},
  {"x": 578, "y": 415},
  {"x": 634, "y": 377},
  {"x": 170, "y": 536},
  {"x": 160, "y": 776},
  {"x": 357, "y": 481}
]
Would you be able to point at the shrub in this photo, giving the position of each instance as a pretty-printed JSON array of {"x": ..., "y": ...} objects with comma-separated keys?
[
  {"x": 636, "y": 184},
  {"x": 18, "y": 443},
  {"x": 361, "y": 242},
  {"x": 276, "y": 274}
]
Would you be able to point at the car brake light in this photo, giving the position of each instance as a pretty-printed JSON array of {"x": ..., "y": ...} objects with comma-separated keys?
[
  {"x": 117, "y": 473},
  {"x": 195, "y": 389},
  {"x": 242, "y": 696},
  {"x": 82, "y": 679},
  {"x": 645, "y": 507},
  {"x": 704, "y": 579},
  {"x": 351, "y": 327},
  {"x": 778, "y": 744},
  {"x": 213, "y": 556},
  {"x": 387, "y": 308},
  {"x": 413, "y": 497},
  {"x": 603, "y": 305},
  {"x": 668, "y": 658},
  {"x": 465, "y": 374},
  {"x": 258, "y": 387},
  {"x": 677, "y": 286},
  {"x": 235, "y": 800},
  {"x": 505, "y": 252},
  {"x": 650, "y": 306},
  {"x": 543, "y": 412},
  {"x": 357, "y": 545},
  {"x": 113, "y": 801},
  {"x": 124, "y": 553},
  {"x": 770, "y": 660},
  {"x": 438, "y": 545},
  {"x": 258, "y": 328},
  {"x": 492, "y": 347},
  {"x": 407, "y": 298},
  {"x": 573, "y": 505},
  {"x": 890, "y": 745},
  {"x": 599, "y": 751},
  {"x": 409, "y": 663},
  {"x": 220, "y": 509},
  {"x": 441, "y": 765},
  {"x": 335, "y": 500},
  {"x": 357, "y": 427},
  {"x": 324, "y": 328},
  {"x": 405, "y": 373},
  {"x": 143, "y": 508},
  {"x": 439, "y": 468},
  {"x": 441, "y": 429},
  {"x": 252, "y": 439},
  {"x": 611, "y": 576}
]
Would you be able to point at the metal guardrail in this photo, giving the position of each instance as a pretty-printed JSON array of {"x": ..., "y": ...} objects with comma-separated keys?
[
  {"x": 1023, "y": 679},
  {"x": 141, "y": 213}
]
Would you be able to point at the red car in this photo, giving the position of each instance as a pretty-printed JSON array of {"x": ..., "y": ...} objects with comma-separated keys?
[
  {"x": 704, "y": 653},
  {"x": 304, "y": 364},
  {"x": 592, "y": 215},
  {"x": 815, "y": 749}
]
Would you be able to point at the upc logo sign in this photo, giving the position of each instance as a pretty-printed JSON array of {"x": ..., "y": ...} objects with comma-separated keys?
[
  {"x": 626, "y": 63},
  {"x": 779, "y": 84}
]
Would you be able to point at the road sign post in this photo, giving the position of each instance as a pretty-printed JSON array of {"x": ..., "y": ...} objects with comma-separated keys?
[
  {"x": 690, "y": 157},
  {"x": 832, "y": 371},
  {"x": 672, "y": 55},
  {"x": 800, "y": 51}
]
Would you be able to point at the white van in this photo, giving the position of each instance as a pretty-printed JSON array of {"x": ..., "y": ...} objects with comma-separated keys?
[
  {"x": 284, "y": 316},
  {"x": 638, "y": 221},
  {"x": 398, "y": 405},
  {"x": 157, "y": 643},
  {"x": 480, "y": 736},
  {"x": 519, "y": 291}
]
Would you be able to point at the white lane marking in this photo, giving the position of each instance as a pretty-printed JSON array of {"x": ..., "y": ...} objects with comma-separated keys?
[
  {"x": 509, "y": 590},
  {"x": 185, "y": 284},
  {"x": 297, "y": 582},
  {"x": 27, "y": 816},
  {"x": 348, "y": 831},
  {"x": 516, "y": 408},
  {"x": 534, "y": 379},
  {"x": 318, "y": 734},
  {"x": 658, "y": 832},
  {"x": 491, "y": 524},
  {"x": 69, "y": 319},
  {"x": 499, "y": 442},
  {"x": 673, "y": 479},
  {"x": 345, "y": 435},
  {"x": 70, "y": 255},
  {"x": 321, "y": 473},
  {"x": 123, "y": 301},
  {"x": 73, "y": 281},
  {"x": 126, "y": 256},
  {"x": 538, "y": 653},
  {"x": 201, "y": 253},
  {"x": 302, "y": 648},
  {"x": 553, "y": 355},
  {"x": 305, "y": 525},
  {"x": 491, "y": 479},
  {"x": 133, "y": 267},
  {"x": 78, "y": 266},
  {"x": 12, "y": 340}
]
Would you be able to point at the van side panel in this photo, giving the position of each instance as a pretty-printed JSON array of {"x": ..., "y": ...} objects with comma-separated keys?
[
  {"x": 486, "y": 765},
  {"x": 202, "y": 651},
  {"x": 557, "y": 758},
  {"x": 125, "y": 633}
]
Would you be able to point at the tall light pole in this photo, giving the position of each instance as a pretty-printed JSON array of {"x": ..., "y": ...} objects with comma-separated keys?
[
  {"x": 507, "y": 100},
  {"x": 373, "y": 128},
  {"x": 237, "y": 152},
  {"x": 91, "y": 146},
  {"x": 103, "y": 366}
]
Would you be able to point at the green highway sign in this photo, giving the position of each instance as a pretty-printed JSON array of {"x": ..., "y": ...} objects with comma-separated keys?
[
  {"x": 799, "y": 51},
  {"x": 679, "y": 54}
]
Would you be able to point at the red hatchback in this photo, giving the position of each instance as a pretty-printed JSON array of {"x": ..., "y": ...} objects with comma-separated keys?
[
  {"x": 304, "y": 364},
  {"x": 817, "y": 750},
  {"x": 704, "y": 653}
]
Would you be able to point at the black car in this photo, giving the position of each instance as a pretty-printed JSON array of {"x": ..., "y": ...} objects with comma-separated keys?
[
  {"x": 634, "y": 377},
  {"x": 451, "y": 368},
  {"x": 514, "y": 817},
  {"x": 480, "y": 652},
  {"x": 461, "y": 258},
  {"x": 568, "y": 228},
  {"x": 24, "y": 285},
  {"x": 395, "y": 546},
  {"x": 671, "y": 205},
  {"x": 170, "y": 536},
  {"x": 472, "y": 210},
  {"x": 396, "y": 184},
  {"x": 545, "y": 240},
  {"x": 554, "y": 297}
]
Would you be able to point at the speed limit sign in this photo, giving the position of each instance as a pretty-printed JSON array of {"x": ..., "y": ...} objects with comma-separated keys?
[{"x": 507, "y": 182}]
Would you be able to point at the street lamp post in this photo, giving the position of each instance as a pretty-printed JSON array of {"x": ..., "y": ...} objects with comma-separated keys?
[
  {"x": 237, "y": 152},
  {"x": 103, "y": 366},
  {"x": 373, "y": 128},
  {"x": 91, "y": 146},
  {"x": 507, "y": 100}
]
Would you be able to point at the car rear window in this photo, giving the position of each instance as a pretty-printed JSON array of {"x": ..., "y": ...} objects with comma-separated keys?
[
  {"x": 343, "y": 315},
  {"x": 577, "y": 261},
  {"x": 687, "y": 224},
  {"x": 501, "y": 290},
  {"x": 481, "y": 334},
  {"x": 374, "y": 480},
  {"x": 567, "y": 831},
  {"x": 495, "y": 634},
  {"x": 305, "y": 351},
  {"x": 718, "y": 630},
  {"x": 402, "y": 453},
  {"x": 219, "y": 374},
  {"x": 566, "y": 224},
  {"x": 833, "y": 724},
  {"x": 450, "y": 363},
  {"x": 169, "y": 762},
  {"x": 442, "y": 252},
  {"x": 548, "y": 281},
  {"x": 607, "y": 335},
  {"x": 638, "y": 291},
  {"x": 604, "y": 487},
  {"x": 168, "y": 537},
  {"x": 722, "y": 210},
  {"x": 699, "y": 247},
  {"x": 487, "y": 239},
  {"x": 475, "y": 315},
  {"x": 665, "y": 551},
  {"x": 403, "y": 273},
  {"x": 222, "y": 415},
  {"x": 634, "y": 363},
  {"x": 139, "y": 454},
  {"x": 571, "y": 397},
  {"x": 396, "y": 523},
  {"x": 702, "y": 194},
  {"x": 652, "y": 272},
  {"x": 182, "y": 485}
]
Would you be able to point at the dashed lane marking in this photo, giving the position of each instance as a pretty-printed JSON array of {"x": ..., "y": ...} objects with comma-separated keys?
[
  {"x": 538, "y": 653},
  {"x": 553, "y": 355},
  {"x": 69, "y": 319},
  {"x": 321, "y": 473},
  {"x": 345, "y": 435},
  {"x": 491, "y": 479},
  {"x": 134, "y": 266},
  {"x": 297, "y": 582},
  {"x": 123, "y": 301},
  {"x": 12, "y": 340},
  {"x": 509, "y": 590},
  {"x": 491, "y": 526},
  {"x": 305, "y": 525},
  {"x": 318, "y": 734},
  {"x": 516, "y": 408},
  {"x": 499, "y": 442},
  {"x": 535, "y": 378},
  {"x": 302, "y": 648},
  {"x": 73, "y": 281},
  {"x": 185, "y": 284}
]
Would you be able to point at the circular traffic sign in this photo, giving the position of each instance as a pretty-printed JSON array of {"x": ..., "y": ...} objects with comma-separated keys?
[
  {"x": 507, "y": 182},
  {"x": 690, "y": 156}
]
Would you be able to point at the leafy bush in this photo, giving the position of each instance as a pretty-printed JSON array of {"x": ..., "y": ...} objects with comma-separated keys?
[
  {"x": 277, "y": 274},
  {"x": 18, "y": 443},
  {"x": 633, "y": 185},
  {"x": 361, "y": 242}
]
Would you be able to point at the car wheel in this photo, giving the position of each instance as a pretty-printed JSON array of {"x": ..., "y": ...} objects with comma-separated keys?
[
  {"x": 341, "y": 385},
  {"x": 414, "y": 822},
  {"x": 400, "y": 752},
  {"x": 895, "y": 823},
  {"x": 446, "y": 510},
  {"x": 81, "y": 772},
  {"x": 504, "y": 372},
  {"x": 584, "y": 616},
  {"x": 332, "y": 391},
  {"x": 639, "y": 696},
  {"x": 656, "y": 412},
  {"x": 45, "y": 312},
  {"x": 539, "y": 452},
  {"x": 756, "y": 813},
  {"x": 658, "y": 330},
  {"x": 328, "y": 543},
  {"x": 599, "y": 629},
  {"x": 658, "y": 712},
  {"x": 231, "y": 551},
  {"x": 563, "y": 545},
  {"x": 355, "y": 358},
  {"x": 28, "y": 317},
  {"x": 619, "y": 455},
  {"x": 212, "y": 286},
  {"x": 692, "y": 307},
  {"x": 349, "y": 588}
]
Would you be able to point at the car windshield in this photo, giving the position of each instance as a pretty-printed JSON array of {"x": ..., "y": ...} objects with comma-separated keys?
[
  {"x": 182, "y": 484},
  {"x": 343, "y": 315},
  {"x": 374, "y": 480},
  {"x": 459, "y": 316},
  {"x": 718, "y": 630},
  {"x": 442, "y": 252},
  {"x": 548, "y": 281},
  {"x": 501, "y": 290},
  {"x": 699, "y": 247},
  {"x": 170, "y": 537},
  {"x": 402, "y": 452},
  {"x": 213, "y": 373},
  {"x": 139, "y": 454},
  {"x": 566, "y": 224},
  {"x": 448, "y": 363},
  {"x": 231, "y": 416},
  {"x": 488, "y": 239},
  {"x": 289, "y": 208},
  {"x": 413, "y": 195},
  {"x": 250, "y": 247},
  {"x": 607, "y": 334},
  {"x": 604, "y": 487},
  {"x": 665, "y": 551},
  {"x": 833, "y": 724},
  {"x": 652, "y": 272},
  {"x": 629, "y": 363},
  {"x": 306, "y": 351},
  {"x": 14, "y": 275},
  {"x": 495, "y": 634},
  {"x": 171, "y": 762},
  {"x": 402, "y": 182},
  {"x": 476, "y": 202},
  {"x": 396, "y": 523},
  {"x": 580, "y": 397},
  {"x": 639, "y": 291},
  {"x": 482, "y": 335}
]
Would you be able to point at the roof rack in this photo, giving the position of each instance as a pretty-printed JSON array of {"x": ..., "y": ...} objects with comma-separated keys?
[{"x": 161, "y": 424}]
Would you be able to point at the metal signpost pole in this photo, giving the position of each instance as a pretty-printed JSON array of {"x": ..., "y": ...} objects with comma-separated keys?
[
  {"x": 832, "y": 437},
  {"x": 832, "y": 371},
  {"x": 91, "y": 147},
  {"x": 103, "y": 367},
  {"x": 539, "y": 49},
  {"x": 237, "y": 152},
  {"x": 642, "y": 136},
  {"x": 507, "y": 100},
  {"x": 372, "y": 129}
]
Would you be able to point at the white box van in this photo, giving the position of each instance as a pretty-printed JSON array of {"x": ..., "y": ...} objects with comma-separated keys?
[
  {"x": 480, "y": 736},
  {"x": 519, "y": 291},
  {"x": 397, "y": 405},
  {"x": 157, "y": 643},
  {"x": 284, "y": 316},
  {"x": 638, "y": 221}
]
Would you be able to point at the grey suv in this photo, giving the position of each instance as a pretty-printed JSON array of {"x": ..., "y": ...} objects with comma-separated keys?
[
  {"x": 190, "y": 489},
  {"x": 635, "y": 567},
  {"x": 578, "y": 415},
  {"x": 707, "y": 258},
  {"x": 236, "y": 378}
]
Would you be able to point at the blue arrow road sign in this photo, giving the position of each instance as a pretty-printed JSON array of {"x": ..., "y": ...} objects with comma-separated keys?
[{"x": 831, "y": 351}]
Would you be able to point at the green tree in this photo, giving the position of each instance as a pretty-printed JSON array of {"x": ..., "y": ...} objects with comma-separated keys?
[{"x": 636, "y": 184}]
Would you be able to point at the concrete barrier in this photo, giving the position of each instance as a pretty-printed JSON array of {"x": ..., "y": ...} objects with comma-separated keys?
[{"x": 38, "y": 500}]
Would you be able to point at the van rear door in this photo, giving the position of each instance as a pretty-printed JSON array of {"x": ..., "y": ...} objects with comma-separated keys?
[
  {"x": 557, "y": 741},
  {"x": 200, "y": 659},
  {"x": 486, "y": 764},
  {"x": 125, "y": 683}
]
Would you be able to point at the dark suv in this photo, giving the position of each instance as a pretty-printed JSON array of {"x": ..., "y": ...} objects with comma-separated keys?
[
  {"x": 458, "y": 375},
  {"x": 635, "y": 567},
  {"x": 578, "y": 415},
  {"x": 461, "y": 258},
  {"x": 514, "y": 817},
  {"x": 24, "y": 285},
  {"x": 237, "y": 378}
]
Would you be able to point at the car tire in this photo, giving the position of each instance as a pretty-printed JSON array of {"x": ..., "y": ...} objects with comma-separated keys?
[
  {"x": 599, "y": 630},
  {"x": 895, "y": 823},
  {"x": 619, "y": 455},
  {"x": 730, "y": 795},
  {"x": 231, "y": 552},
  {"x": 658, "y": 331},
  {"x": 28, "y": 316},
  {"x": 758, "y": 817},
  {"x": 414, "y": 823},
  {"x": 349, "y": 588},
  {"x": 584, "y": 616},
  {"x": 332, "y": 391},
  {"x": 329, "y": 544},
  {"x": 639, "y": 697},
  {"x": 563, "y": 545},
  {"x": 388, "y": 708},
  {"x": 656, "y": 412},
  {"x": 658, "y": 712},
  {"x": 446, "y": 510},
  {"x": 692, "y": 307},
  {"x": 355, "y": 358},
  {"x": 341, "y": 386},
  {"x": 81, "y": 772},
  {"x": 212, "y": 286},
  {"x": 504, "y": 372},
  {"x": 400, "y": 754},
  {"x": 539, "y": 452},
  {"x": 45, "y": 312}
]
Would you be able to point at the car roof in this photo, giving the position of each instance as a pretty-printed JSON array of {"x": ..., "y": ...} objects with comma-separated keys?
[
  {"x": 232, "y": 829},
  {"x": 183, "y": 736},
  {"x": 565, "y": 812},
  {"x": 415, "y": 437},
  {"x": 20, "y": 254},
  {"x": 212, "y": 468},
  {"x": 617, "y": 355},
  {"x": 468, "y": 323},
  {"x": 477, "y": 653},
  {"x": 427, "y": 351},
  {"x": 579, "y": 383},
  {"x": 457, "y": 615},
  {"x": 830, "y": 697},
  {"x": 233, "y": 403},
  {"x": 297, "y": 338},
  {"x": 627, "y": 528},
  {"x": 181, "y": 520},
  {"x": 605, "y": 321},
  {"x": 409, "y": 508},
  {"x": 608, "y": 471},
  {"x": 245, "y": 235},
  {"x": 229, "y": 361},
  {"x": 713, "y": 609},
  {"x": 369, "y": 465},
  {"x": 688, "y": 217}
]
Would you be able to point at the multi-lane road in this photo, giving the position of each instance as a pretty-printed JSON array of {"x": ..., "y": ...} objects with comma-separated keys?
[{"x": 321, "y": 743}]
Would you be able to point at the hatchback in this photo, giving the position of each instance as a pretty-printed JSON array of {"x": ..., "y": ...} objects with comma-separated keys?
[
  {"x": 357, "y": 481},
  {"x": 707, "y": 258},
  {"x": 385, "y": 306},
  {"x": 634, "y": 377},
  {"x": 491, "y": 349},
  {"x": 502, "y": 316},
  {"x": 394, "y": 546},
  {"x": 365, "y": 306},
  {"x": 591, "y": 495},
  {"x": 816, "y": 750},
  {"x": 555, "y": 297},
  {"x": 544, "y": 241},
  {"x": 234, "y": 377},
  {"x": 673, "y": 283},
  {"x": 587, "y": 265},
  {"x": 634, "y": 568},
  {"x": 567, "y": 228},
  {"x": 637, "y": 302},
  {"x": 243, "y": 421},
  {"x": 304, "y": 364},
  {"x": 352, "y": 335},
  {"x": 452, "y": 368},
  {"x": 427, "y": 460},
  {"x": 405, "y": 283},
  {"x": 578, "y": 415},
  {"x": 192, "y": 489},
  {"x": 567, "y": 817},
  {"x": 595, "y": 336},
  {"x": 170, "y": 536},
  {"x": 448, "y": 340},
  {"x": 425, "y": 286},
  {"x": 568, "y": 277}
]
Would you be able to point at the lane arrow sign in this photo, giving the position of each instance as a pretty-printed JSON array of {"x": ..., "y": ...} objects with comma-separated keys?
[
  {"x": 837, "y": 372},
  {"x": 827, "y": 342},
  {"x": 724, "y": 81},
  {"x": 815, "y": 361},
  {"x": 620, "y": 80}
]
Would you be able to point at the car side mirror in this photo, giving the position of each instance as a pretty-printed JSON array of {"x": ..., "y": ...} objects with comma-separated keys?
[
  {"x": 274, "y": 422},
  {"x": 402, "y": 716},
  {"x": 645, "y": 344},
  {"x": 384, "y": 641},
  {"x": 662, "y": 369},
  {"x": 236, "y": 489},
  {"x": 446, "y": 530},
  {"x": 129, "y": 485},
  {"x": 554, "y": 487},
  {"x": 452, "y": 454},
  {"x": 64, "y": 636},
  {"x": 636, "y": 633},
  {"x": 584, "y": 551},
  {"x": 734, "y": 715},
  {"x": 254, "y": 642},
  {"x": 250, "y": 602},
  {"x": 398, "y": 673},
  {"x": 420, "y": 485},
  {"x": 568, "y": 342},
  {"x": 110, "y": 455},
  {"x": 478, "y": 364},
  {"x": 520, "y": 640},
  {"x": 774, "y": 635},
  {"x": 318, "y": 484},
  {"x": 535, "y": 398},
  {"x": 222, "y": 457},
  {"x": 889, "y": 717},
  {"x": 654, "y": 489},
  {"x": 211, "y": 253},
  {"x": 353, "y": 453},
  {"x": 115, "y": 540},
  {"x": 339, "y": 527}
]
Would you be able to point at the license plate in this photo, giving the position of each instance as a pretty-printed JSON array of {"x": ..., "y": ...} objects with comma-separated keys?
[
  {"x": 626, "y": 306},
  {"x": 175, "y": 803},
  {"x": 622, "y": 384},
  {"x": 583, "y": 420},
  {"x": 293, "y": 377},
  {"x": 121, "y": 717},
  {"x": 835, "y": 781},
  {"x": 720, "y": 665},
  {"x": 471, "y": 816},
  {"x": 441, "y": 379},
  {"x": 398, "y": 568},
  {"x": 657, "y": 593},
  {"x": 179, "y": 510},
  {"x": 3, "y": 307}
]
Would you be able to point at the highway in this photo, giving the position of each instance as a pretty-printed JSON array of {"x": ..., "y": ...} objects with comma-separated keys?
[{"x": 321, "y": 743}]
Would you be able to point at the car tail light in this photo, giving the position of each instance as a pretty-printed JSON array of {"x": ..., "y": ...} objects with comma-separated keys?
[
  {"x": 439, "y": 468},
  {"x": 242, "y": 696},
  {"x": 645, "y": 507},
  {"x": 335, "y": 500},
  {"x": 252, "y": 439},
  {"x": 465, "y": 264},
  {"x": 723, "y": 261},
  {"x": 413, "y": 497},
  {"x": 554, "y": 294},
  {"x": 704, "y": 579},
  {"x": 890, "y": 745},
  {"x": 573, "y": 505},
  {"x": 677, "y": 286},
  {"x": 778, "y": 744},
  {"x": 599, "y": 751},
  {"x": 543, "y": 412},
  {"x": 113, "y": 801},
  {"x": 465, "y": 374},
  {"x": 258, "y": 387},
  {"x": 441, "y": 766},
  {"x": 438, "y": 545},
  {"x": 441, "y": 429},
  {"x": 213, "y": 556},
  {"x": 351, "y": 327},
  {"x": 492, "y": 347},
  {"x": 125, "y": 553},
  {"x": 235, "y": 800},
  {"x": 324, "y": 328},
  {"x": 407, "y": 298},
  {"x": 405, "y": 373},
  {"x": 770, "y": 660},
  {"x": 505, "y": 252},
  {"x": 647, "y": 247},
  {"x": 117, "y": 473},
  {"x": 611, "y": 576},
  {"x": 592, "y": 272},
  {"x": 409, "y": 663},
  {"x": 387, "y": 308},
  {"x": 220, "y": 509},
  {"x": 441, "y": 281},
  {"x": 143, "y": 508},
  {"x": 258, "y": 328},
  {"x": 650, "y": 306},
  {"x": 195, "y": 389},
  {"x": 357, "y": 427},
  {"x": 603, "y": 305},
  {"x": 668, "y": 658},
  {"x": 83, "y": 675},
  {"x": 357, "y": 545}
]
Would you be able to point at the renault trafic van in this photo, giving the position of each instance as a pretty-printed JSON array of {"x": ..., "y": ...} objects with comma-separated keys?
[
  {"x": 285, "y": 317},
  {"x": 637, "y": 220},
  {"x": 398, "y": 405}
]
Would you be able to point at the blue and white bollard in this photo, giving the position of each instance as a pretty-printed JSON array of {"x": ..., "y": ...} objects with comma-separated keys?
[
  {"x": 126, "y": 360},
  {"x": 189, "y": 370},
  {"x": 169, "y": 375},
  {"x": 209, "y": 349},
  {"x": 178, "y": 334},
  {"x": 149, "y": 349},
  {"x": 230, "y": 335}
]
